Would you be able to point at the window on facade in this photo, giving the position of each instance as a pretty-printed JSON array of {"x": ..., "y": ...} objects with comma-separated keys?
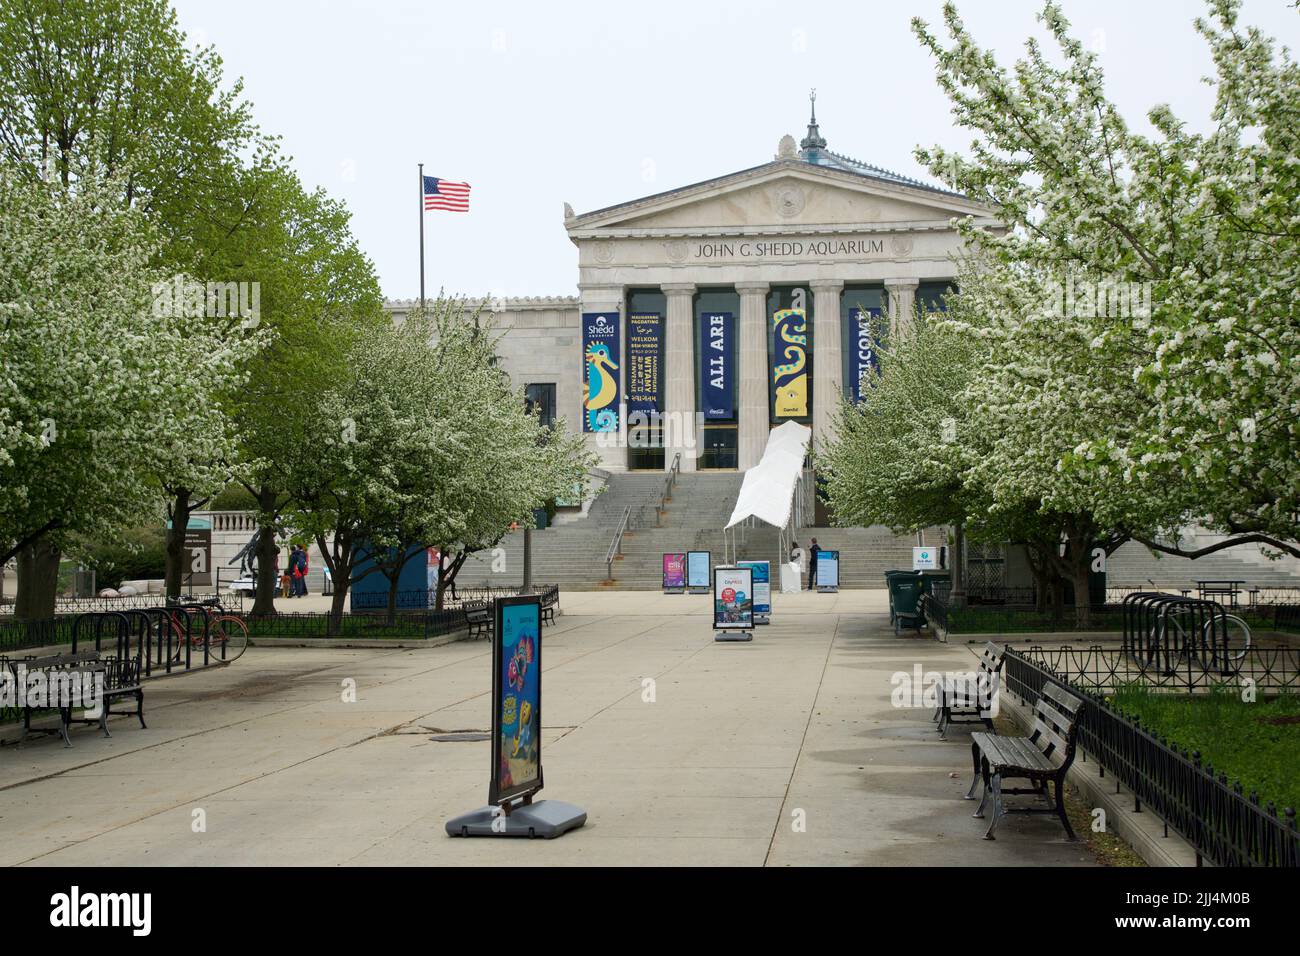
[
  {"x": 541, "y": 398},
  {"x": 930, "y": 297}
]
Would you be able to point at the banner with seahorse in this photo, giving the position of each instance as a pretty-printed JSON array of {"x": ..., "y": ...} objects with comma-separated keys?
[
  {"x": 790, "y": 364},
  {"x": 600, "y": 357}
]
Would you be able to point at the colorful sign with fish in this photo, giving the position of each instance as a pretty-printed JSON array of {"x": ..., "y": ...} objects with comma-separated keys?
[
  {"x": 517, "y": 699},
  {"x": 790, "y": 364},
  {"x": 600, "y": 351}
]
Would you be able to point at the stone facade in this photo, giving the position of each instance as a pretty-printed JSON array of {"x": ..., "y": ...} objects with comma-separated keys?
[{"x": 810, "y": 223}]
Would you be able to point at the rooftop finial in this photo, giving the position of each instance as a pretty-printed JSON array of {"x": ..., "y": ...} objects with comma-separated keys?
[{"x": 814, "y": 140}]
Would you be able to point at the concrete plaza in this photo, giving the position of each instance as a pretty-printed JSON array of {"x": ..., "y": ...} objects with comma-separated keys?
[{"x": 740, "y": 743}]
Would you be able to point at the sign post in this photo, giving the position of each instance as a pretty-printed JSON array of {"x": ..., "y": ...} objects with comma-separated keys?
[
  {"x": 517, "y": 734},
  {"x": 828, "y": 572},
  {"x": 698, "y": 571},
  {"x": 733, "y": 604},
  {"x": 762, "y": 590},
  {"x": 675, "y": 573}
]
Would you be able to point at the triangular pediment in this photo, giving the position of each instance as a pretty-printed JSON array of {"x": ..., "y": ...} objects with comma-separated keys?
[{"x": 785, "y": 194}]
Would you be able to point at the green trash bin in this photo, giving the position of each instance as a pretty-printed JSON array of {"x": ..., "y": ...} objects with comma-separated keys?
[
  {"x": 905, "y": 601},
  {"x": 890, "y": 577}
]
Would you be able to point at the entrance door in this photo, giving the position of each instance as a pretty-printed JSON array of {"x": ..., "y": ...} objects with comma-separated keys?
[{"x": 718, "y": 450}]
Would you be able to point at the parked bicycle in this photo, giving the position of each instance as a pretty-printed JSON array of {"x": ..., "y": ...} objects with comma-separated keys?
[{"x": 226, "y": 633}]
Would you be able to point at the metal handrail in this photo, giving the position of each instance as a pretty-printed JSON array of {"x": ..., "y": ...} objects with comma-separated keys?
[
  {"x": 616, "y": 546},
  {"x": 669, "y": 481}
]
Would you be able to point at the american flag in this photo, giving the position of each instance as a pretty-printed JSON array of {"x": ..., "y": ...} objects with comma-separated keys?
[{"x": 444, "y": 194}]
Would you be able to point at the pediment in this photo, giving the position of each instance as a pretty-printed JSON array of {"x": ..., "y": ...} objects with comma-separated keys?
[{"x": 785, "y": 194}]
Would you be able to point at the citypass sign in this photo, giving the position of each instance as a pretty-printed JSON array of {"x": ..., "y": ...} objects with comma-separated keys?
[
  {"x": 600, "y": 349},
  {"x": 733, "y": 604}
]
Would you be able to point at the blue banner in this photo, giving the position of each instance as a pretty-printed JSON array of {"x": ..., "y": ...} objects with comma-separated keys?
[
  {"x": 864, "y": 350},
  {"x": 644, "y": 360},
  {"x": 600, "y": 345},
  {"x": 717, "y": 365}
]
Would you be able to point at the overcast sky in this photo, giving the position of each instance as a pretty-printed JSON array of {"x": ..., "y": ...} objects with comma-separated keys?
[{"x": 538, "y": 104}]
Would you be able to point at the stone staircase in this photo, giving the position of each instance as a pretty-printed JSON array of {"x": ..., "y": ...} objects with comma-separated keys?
[
  {"x": 573, "y": 555},
  {"x": 1133, "y": 565}
]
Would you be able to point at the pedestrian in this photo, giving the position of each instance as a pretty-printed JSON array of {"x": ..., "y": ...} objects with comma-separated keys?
[
  {"x": 302, "y": 560},
  {"x": 813, "y": 550}
]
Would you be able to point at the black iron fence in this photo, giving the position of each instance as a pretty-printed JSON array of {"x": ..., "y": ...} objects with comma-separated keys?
[
  {"x": 367, "y": 625},
  {"x": 1223, "y": 824},
  {"x": 418, "y": 599}
]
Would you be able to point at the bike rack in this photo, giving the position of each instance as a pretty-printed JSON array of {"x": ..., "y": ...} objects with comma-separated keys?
[{"x": 1163, "y": 629}]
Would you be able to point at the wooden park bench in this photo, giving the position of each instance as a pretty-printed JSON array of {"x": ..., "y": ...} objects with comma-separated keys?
[
  {"x": 478, "y": 618},
  {"x": 1043, "y": 757},
  {"x": 969, "y": 701},
  {"x": 121, "y": 678}
]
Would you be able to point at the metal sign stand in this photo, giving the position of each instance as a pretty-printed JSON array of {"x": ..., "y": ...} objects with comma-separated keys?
[{"x": 511, "y": 811}]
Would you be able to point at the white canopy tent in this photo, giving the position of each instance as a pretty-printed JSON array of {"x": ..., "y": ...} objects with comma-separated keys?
[{"x": 768, "y": 491}]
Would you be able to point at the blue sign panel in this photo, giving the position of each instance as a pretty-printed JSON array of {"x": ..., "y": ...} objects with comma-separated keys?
[
  {"x": 717, "y": 365},
  {"x": 864, "y": 350},
  {"x": 697, "y": 570},
  {"x": 600, "y": 371},
  {"x": 644, "y": 361}
]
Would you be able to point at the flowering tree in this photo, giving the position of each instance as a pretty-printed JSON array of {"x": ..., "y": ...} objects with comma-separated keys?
[
  {"x": 422, "y": 442},
  {"x": 1142, "y": 299},
  {"x": 96, "y": 387}
]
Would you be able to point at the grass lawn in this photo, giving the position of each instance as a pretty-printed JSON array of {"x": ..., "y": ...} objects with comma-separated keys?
[{"x": 1258, "y": 744}]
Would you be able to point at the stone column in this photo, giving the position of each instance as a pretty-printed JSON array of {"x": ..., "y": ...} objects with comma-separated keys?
[
  {"x": 827, "y": 356},
  {"x": 754, "y": 373},
  {"x": 679, "y": 395},
  {"x": 902, "y": 304}
]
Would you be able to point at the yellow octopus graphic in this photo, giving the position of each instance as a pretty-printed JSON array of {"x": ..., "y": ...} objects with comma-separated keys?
[
  {"x": 602, "y": 389},
  {"x": 790, "y": 378}
]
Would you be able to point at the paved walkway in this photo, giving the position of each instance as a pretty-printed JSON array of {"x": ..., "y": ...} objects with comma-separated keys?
[{"x": 741, "y": 741}]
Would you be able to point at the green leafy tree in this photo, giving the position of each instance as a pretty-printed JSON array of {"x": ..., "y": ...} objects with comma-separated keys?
[
  {"x": 423, "y": 441},
  {"x": 1143, "y": 293}
]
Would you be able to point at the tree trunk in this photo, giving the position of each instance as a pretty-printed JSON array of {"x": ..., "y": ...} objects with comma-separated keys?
[
  {"x": 175, "y": 564},
  {"x": 1082, "y": 602},
  {"x": 958, "y": 596},
  {"x": 38, "y": 581},
  {"x": 339, "y": 561},
  {"x": 268, "y": 582},
  {"x": 393, "y": 580}
]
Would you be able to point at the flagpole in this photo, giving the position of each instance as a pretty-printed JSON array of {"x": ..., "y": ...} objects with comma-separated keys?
[{"x": 421, "y": 237}]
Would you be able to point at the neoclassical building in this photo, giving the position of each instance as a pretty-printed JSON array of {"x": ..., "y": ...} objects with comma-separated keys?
[{"x": 708, "y": 314}]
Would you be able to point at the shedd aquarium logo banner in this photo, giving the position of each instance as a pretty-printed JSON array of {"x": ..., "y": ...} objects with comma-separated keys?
[{"x": 600, "y": 350}]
